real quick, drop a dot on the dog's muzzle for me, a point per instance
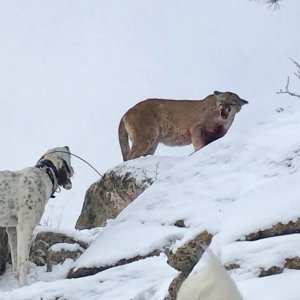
(68, 185)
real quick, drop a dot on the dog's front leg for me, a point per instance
(12, 240)
(24, 241)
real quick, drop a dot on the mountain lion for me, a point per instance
(177, 123)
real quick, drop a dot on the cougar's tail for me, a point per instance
(211, 283)
(123, 140)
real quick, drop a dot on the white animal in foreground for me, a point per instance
(23, 197)
(210, 283)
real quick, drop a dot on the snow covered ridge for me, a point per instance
(238, 180)
(236, 186)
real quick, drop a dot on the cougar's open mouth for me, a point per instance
(224, 112)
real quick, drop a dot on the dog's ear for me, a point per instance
(64, 175)
(69, 168)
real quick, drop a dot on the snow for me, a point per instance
(144, 239)
(262, 254)
(65, 247)
(145, 168)
(145, 279)
(235, 186)
(210, 190)
(85, 235)
(68, 73)
(277, 287)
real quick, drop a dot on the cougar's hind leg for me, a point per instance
(145, 144)
(138, 149)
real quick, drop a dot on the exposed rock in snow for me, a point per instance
(278, 229)
(43, 250)
(58, 253)
(185, 259)
(106, 198)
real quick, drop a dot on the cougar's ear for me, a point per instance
(217, 93)
(220, 95)
(243, 101)
(220, 98)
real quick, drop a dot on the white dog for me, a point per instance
(211, 283)
(23, 196)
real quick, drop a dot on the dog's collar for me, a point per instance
(49, 168)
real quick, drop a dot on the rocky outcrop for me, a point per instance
(40, 253)
(290, 263)
(185, 259)
(279, 229)
(58, 253)
(187, 256)
(81, 272)
(4, 253)
(276, 230)
(42, 250)
(106, 198)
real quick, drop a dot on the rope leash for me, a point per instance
(78, 158)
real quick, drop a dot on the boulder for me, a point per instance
(187, 256)
(82, 272)
(59, 252)
(290, 263)
(278, 229)
(185, 259)
(41, 255)
(106, 198)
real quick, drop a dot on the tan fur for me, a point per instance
(177, 123)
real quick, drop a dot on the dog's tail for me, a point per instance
(211, 283)
(123, 140)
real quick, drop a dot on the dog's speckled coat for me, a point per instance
(23, 196)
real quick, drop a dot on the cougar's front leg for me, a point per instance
(197, 137)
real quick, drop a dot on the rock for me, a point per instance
(232, 266)
(272, 271)
(58, 253)
(180, 224)
(4, 250)
(106, 198)
(39, 253)
(187, 256)
(290, 263)
(81, 272)
(174, 287)
(185, 259)
(278, 229)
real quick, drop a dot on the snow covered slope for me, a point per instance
(235, 186)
